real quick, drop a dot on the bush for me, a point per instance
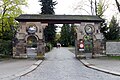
(48, 47)
(5, 47)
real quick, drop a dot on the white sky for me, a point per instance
(67, 7)
(63, 7)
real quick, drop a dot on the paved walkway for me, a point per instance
(61, 64)
(102, 64)
(16, 67)
(105, 65)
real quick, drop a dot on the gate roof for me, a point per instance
(58, 18)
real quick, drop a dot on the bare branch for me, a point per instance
(118, 5)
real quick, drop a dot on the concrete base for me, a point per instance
(80, 56)
(40, 56)
(20, 57)
(88, 55)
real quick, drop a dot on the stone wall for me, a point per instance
(113, 48)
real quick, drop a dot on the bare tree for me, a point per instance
(96, 7)
(85, 3)
(92, 9)
(118, 5)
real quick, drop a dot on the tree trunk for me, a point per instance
(118, 5)
(95, 7)
(91, 2)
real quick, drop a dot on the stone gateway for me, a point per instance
(30, 34)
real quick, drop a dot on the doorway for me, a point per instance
(31, 46)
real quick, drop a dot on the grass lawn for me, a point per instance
(114, 57)
(110, 57)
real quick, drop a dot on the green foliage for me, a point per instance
(49, 33)
(101, 8)
(72, 35)
(48, 47)
(48, 8)
(114, 57)
(112, 32)
(88, 43)
(12, 7)
(9, 10)
(104, 29)
(67, 35)
(57, 37)
(5, 47)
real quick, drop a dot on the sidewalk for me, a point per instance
(10, 69)
(104, 65)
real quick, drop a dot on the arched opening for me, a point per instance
(31, 46)
(31, 42)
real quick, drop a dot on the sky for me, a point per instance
(67, 7)
(63, 7)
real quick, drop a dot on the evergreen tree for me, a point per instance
(103, 29)
(48, 8)
(72, 35)
(113, 32)
(49, 33)
(65, 35)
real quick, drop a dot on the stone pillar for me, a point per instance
(40, 49)
(20, 50)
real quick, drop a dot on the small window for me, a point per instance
(97, 31)
(40, 31)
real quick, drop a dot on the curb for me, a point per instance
(20, 74)
(99, 69)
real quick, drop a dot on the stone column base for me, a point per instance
(40, 56)
(21, 56)
(88, 55)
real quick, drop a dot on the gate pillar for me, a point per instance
(40, 49)
(19, 50)
(35, 31)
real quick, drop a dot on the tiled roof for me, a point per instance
(47, 18)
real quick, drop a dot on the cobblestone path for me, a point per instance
(60, 64)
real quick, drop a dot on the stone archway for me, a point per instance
(32, 41)
(34, 24)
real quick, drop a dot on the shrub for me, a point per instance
(48, 47)
(5, 47)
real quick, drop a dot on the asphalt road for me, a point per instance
(60, 64)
